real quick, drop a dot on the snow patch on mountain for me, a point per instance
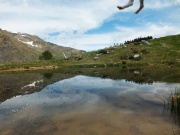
(29, 43)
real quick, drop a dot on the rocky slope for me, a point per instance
(22, 47)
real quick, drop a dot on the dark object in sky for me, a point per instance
(130, 3)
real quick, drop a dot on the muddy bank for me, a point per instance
(27, 68)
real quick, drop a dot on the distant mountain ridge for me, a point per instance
(22, 47)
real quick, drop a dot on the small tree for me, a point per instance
(46, 55)
(103, 51)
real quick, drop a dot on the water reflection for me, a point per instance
(26, 83)
(89, 105)
(48, 75)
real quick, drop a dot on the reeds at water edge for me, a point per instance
(174, 106)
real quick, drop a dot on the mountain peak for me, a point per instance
(23, 47)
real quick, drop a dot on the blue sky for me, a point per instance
(89, 24)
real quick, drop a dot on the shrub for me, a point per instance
(46, 55)
(103, 51)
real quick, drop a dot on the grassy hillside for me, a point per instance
(165, 50)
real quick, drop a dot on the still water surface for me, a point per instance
(84, 105)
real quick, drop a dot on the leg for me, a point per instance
(140, 7)
(130, 3)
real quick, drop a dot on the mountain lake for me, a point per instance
(90, 103)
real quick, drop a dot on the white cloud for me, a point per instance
(98, 41)
(82, 41)
(41, 17)
(160, 3)
(34, 16)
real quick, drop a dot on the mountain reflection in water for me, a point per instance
(90, 105)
